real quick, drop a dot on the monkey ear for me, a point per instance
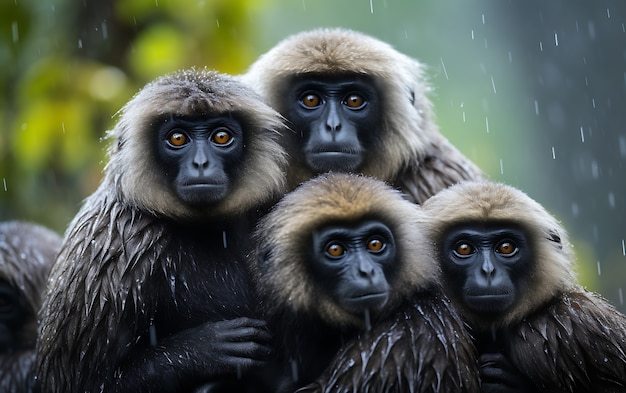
(553, 236)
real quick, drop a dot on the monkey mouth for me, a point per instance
(202, 193)
(334, 160)
(374, 301)
(489, 303)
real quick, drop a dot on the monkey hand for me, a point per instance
(499, 375)
(233, 345)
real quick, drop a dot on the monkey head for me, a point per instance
(189, 139)
(502, 254)
(341, 244)
(352, 101)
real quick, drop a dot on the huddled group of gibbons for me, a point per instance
(301, 227)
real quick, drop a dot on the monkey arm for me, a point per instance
(444, 166)
(424, 347)
(577, 343)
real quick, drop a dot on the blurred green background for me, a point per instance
(533, 91)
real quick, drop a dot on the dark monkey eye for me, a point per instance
(375, 245)
(221, 138)
(177, 139)
(310, 100)
(335, 250)
(463, 249)
(354, 101)
(506, 248)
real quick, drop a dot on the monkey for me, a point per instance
(355, 104)
(341, 258)
(150, 291)
(27, 251)
(508, 268)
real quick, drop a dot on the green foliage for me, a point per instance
(66, 69)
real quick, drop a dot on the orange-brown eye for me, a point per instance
(354, 101)
(221, 138)
(310, 100)
(335, 250)
(375, 245)
(177, 139)
(506, 248)
(464, 249)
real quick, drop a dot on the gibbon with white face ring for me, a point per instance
(508, 268)
(150, 291)
(357, 105)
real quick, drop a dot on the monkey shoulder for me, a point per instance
(427, 174)
(577, 342)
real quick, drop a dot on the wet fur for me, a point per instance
(135, 256)
(311, 328)
(27, 252)
(561, 336)
(411, 153)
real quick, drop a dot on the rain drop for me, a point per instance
(622, 146)
(153, 335)
(15, 34)
(553, 153)
(621, 296)
(105, 32)
(623, 248)
(599, 271)
(556, 40)
(371, 7)
(294, 370)
(510, 57)
(224, 239)
(608, 13)
(472, 34)
(80, 44)
(217, 23)
(582, 136)
(611, 200)
(537, 107)
(501, 167)
(540, 46)
(487, 124)
(595, 170)
(483, 16)
(4, 183)
(445, 72)
(493, 85)
(368, 320)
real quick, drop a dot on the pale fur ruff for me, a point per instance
(407, 112)
(195, 93)
(480, 202)
(284, 238)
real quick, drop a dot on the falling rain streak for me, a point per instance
(445, 72)
(4, 182)
(501, 167)
(582, 136)
(493, 84)
(556, 40)
(371, 7)
(621, 296)
(623, 245)
(487, 124)
(599, 271)
(553, 154)
(224, 239)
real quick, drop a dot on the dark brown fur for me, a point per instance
(27, 252)
(136, 259)
(411, 154)
(417, 342)
(564, 338)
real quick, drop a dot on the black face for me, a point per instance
(337, 118)
(486, 266)
(201, 157)
(11, 315)
(353, 264)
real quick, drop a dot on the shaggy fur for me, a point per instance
(138, 264)
(411, 154)
(562, 337)
(27, 252)
(306, 319)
